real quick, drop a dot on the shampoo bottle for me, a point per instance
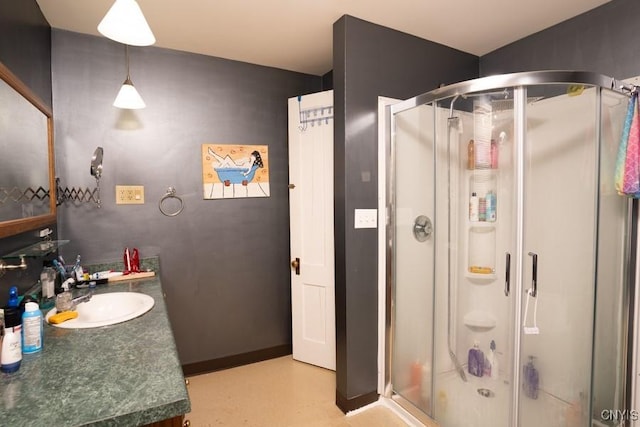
(471, 155)
(11, 356)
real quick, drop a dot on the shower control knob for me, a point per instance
(422, 228)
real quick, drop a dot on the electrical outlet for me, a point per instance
(129, 194)
(366, 218)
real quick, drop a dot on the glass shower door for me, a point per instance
(559, 253)
(413, 256)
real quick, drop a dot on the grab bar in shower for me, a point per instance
(507, 278)
(534, 275)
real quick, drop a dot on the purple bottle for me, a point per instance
(475, 362)
(531, 380)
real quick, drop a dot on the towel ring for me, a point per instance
(170, 194)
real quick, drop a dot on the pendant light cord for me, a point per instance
(126, 53)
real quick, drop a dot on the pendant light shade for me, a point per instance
(128, 97)
(126, 24)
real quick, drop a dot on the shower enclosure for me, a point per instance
(509, 252)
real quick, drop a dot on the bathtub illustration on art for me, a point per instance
(236, 175)
(231, 171)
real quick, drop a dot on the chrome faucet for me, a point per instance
(82, 298)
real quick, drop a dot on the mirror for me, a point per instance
(96, 163)
(27, 175)
(96, 171)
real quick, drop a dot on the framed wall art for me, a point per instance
(232, 171)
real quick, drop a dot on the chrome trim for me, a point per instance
(390, 238)
(517, 82)
(519, 99)
(510, 80)
(411, 409)
(631, 305)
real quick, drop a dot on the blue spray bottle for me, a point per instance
(13, 297)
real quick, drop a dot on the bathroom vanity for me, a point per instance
(127, 374)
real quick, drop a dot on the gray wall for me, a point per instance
(224, 263)
(370, 61)
(25, 45)
(25, 48)
(604, 40)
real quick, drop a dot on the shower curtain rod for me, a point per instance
(511, 80)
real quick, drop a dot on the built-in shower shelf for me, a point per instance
(479, 320)
(481, 278)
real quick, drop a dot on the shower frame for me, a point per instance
(515, 81)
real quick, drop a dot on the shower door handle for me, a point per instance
(534, 275)
(507, 277)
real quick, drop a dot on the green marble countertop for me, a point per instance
(121, 375)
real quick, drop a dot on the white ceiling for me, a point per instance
(297, 34)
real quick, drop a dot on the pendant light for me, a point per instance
(128, 97)
(126, 24)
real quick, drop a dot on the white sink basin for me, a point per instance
(107, 309)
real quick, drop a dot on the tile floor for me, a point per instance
(276, 393)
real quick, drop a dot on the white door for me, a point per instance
(312, 243)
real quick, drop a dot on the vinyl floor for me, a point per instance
(279, 392)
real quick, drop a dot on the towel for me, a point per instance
(631, 166)
(627, 174)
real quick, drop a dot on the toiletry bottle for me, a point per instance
(493, 361)
(471, 156)
(474, 206)
(12, 341)
(531, 380)
(416, 374)
(135, 261)
(494, 154)
(475, 362)
(126, 257)
(13, 297)
(491, 206)
(482, 209)
(487, 366)
(48, 279)
(32, 326)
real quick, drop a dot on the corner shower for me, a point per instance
(513, 309)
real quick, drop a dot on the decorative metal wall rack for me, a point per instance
(73, 194)
(314, 115)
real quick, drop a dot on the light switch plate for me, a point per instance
(129, 194)
(366, 218)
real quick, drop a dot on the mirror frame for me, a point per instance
(17, 226)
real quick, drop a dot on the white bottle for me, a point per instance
(11, 343)
(474, 206)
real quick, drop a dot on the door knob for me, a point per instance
(295, 264)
